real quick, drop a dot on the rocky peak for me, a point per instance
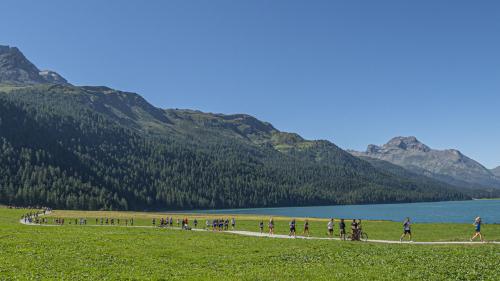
(16, 69)
(450, 165)
(407, 143)
(372, 148)
(52, 77)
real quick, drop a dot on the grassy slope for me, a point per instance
(108, 253)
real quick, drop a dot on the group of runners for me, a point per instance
(169, 222)
(112, 221)
(35, 216)
(356, 229)
(222, 224)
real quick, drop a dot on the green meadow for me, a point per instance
(74, 252)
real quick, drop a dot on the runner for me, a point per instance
(233, 223)
(154, 221)
(406, 230)
(271, 227)
(292, 228)
(261, 226)
(195, 221)
(477, 224)
(207, 224)
(306, 228)
(330, 228)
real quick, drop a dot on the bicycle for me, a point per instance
(362, 236)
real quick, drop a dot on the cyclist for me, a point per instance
(354, 230)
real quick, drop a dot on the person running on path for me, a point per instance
(271, 226)
(477, 225)
(154, 222)
(306, 228)
(261, 226)
(406, 230)
(330, 228)
(233, 223)
(195, 222)
(292, 228)
(207, 224)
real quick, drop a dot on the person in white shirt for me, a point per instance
(330, 228)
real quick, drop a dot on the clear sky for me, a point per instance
(352, 72)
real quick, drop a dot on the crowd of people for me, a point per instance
(113, 221)
(223, 224)
(34, 216)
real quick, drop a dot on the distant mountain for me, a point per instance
(496, 171)
(98, 148)
(449, 166)
(16, 69)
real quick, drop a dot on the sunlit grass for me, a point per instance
(124, 253)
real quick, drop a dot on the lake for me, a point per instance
(452, 211)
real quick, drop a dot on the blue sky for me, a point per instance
(352, 72)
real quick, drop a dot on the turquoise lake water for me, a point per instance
(453, 211)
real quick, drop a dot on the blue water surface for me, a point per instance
(452, 211)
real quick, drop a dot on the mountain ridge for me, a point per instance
(16, 69)
(450, 165)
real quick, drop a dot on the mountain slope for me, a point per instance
(79, 147)
(496, 172)
(449, 166)
(16, 69)
(98, 148)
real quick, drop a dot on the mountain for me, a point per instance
(449, 166)
(93, 147)
(16, 69)
(496, 171)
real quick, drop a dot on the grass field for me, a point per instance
(125, 253)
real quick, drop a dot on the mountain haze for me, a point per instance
(496, 171)
(93, 147)
(449, 166)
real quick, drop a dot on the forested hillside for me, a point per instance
(96, 148)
